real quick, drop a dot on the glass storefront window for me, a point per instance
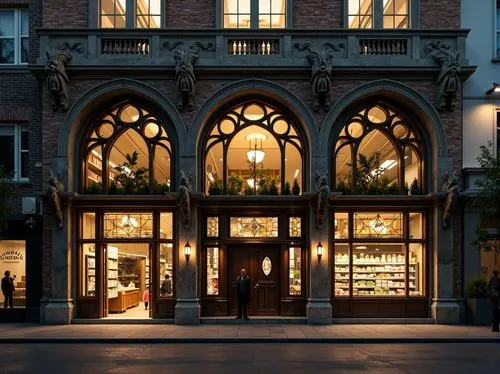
(166, 225)
(88, 226)
(88, 270)
(378, 269)
(295, 229)
(212, 227)
(342, 263)
(13, 260)
(254, 227)
(416, 226)
(128, 225)
(166, 270)
(294, 271)
(378, 225)
(341, 226)
(416, 270)
(212, 271)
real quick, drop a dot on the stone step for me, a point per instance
(253, 320)
(382, 321)
(122, 321)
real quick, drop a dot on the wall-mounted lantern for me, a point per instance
(187, 251)
(319, 251)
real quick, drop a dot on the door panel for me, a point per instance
(265, 288)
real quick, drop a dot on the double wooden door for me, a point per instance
(262, 263)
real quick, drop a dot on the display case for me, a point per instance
(112, 272)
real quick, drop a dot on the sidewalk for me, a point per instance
(26, 333)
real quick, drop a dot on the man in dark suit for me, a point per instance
(243, 290)
(8, 290)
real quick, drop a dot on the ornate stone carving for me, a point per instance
(448, 80)
(58, 79)
(322, 191)
(75, 47)
(321, 79)
(55, 190)
(184, 71)
(185, 197)
(450, 186)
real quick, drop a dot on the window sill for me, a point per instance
(14, 68)
(495, 60)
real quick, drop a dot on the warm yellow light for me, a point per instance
(319, 250)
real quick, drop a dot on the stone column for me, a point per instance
(319, 307)
(446, 309)
(59, 305)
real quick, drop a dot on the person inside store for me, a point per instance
(166, 286)
(8, 290)
(494, 287)
(145, 298)
(243, 289)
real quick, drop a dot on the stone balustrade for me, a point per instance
(124, 46)
(393, 47)
(263, 47)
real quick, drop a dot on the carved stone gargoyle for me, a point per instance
(322, 191)
(448, 80)
(321, 79)
(450, 186)
(185, 197)
(58, 79)
(184, 72)
(55, 190)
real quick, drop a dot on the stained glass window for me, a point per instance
(254, 227)
(378, 225)
(295, 229)
(212, 227)
(124, 225)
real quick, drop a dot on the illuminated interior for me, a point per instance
(238, 13)
(395, 14)
(390, 148)
(263, 153)
(113, 13)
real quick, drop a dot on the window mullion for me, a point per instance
(254, 14)
(17, 37)
(17, 152)
(130, 14)
(378, 12)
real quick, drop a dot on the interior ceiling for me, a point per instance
(139, 249)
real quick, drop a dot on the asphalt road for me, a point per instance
(251, 358)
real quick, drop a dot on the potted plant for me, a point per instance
(216, 187)
(478, 301)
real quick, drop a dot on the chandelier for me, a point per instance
(378, 225)
(255, 153)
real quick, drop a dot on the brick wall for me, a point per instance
(440, 14)
(317, 14)
(183, 14)
(68, 14)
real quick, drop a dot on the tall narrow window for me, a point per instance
(497, 30)
(294, 271)
(213, 271)
(236, 14)
(113, 13)
(498, 132)
(360, 14)
(264, 14)
(14, 158)
(14, 36)
(396, 14)
(148, 14)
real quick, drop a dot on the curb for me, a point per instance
(257, 340)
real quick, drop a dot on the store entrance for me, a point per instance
(127, 287)
(262, 263)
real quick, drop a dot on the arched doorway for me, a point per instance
(126, 239)
(254, 169)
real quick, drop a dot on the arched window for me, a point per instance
(128, 152)
(253, 150)
(377, 153)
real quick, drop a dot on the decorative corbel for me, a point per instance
(184, 71)
(448, 80)
(55, 190)
(185, 197)
(321, 79)
(450, 187)
(322, 191)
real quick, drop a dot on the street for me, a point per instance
(250, 358)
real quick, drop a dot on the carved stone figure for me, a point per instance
(322, 191)
(184, 70)
(448, 80)
(55, 190)
(58, 79)
(185, 197)
(321, 79)
(450, 186)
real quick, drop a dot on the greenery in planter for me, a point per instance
(93, 188)
(216, 187)
(7, 192)
(160, 188)
(487, 202)
(273, 187)
(477, 288)
(415, 188)
(248, 191)
(288, 189)
(235, 184)
(131, 179)
(295, 188)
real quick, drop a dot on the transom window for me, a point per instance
(144, 14)
(254, 14)
(128, 152)
(253, 149)
(378, 153)
(387, 14)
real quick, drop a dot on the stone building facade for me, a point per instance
(320, 86)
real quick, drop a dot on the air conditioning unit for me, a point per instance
(30, 205)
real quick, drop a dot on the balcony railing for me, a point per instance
(269, 49)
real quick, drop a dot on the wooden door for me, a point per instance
(262, 263)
